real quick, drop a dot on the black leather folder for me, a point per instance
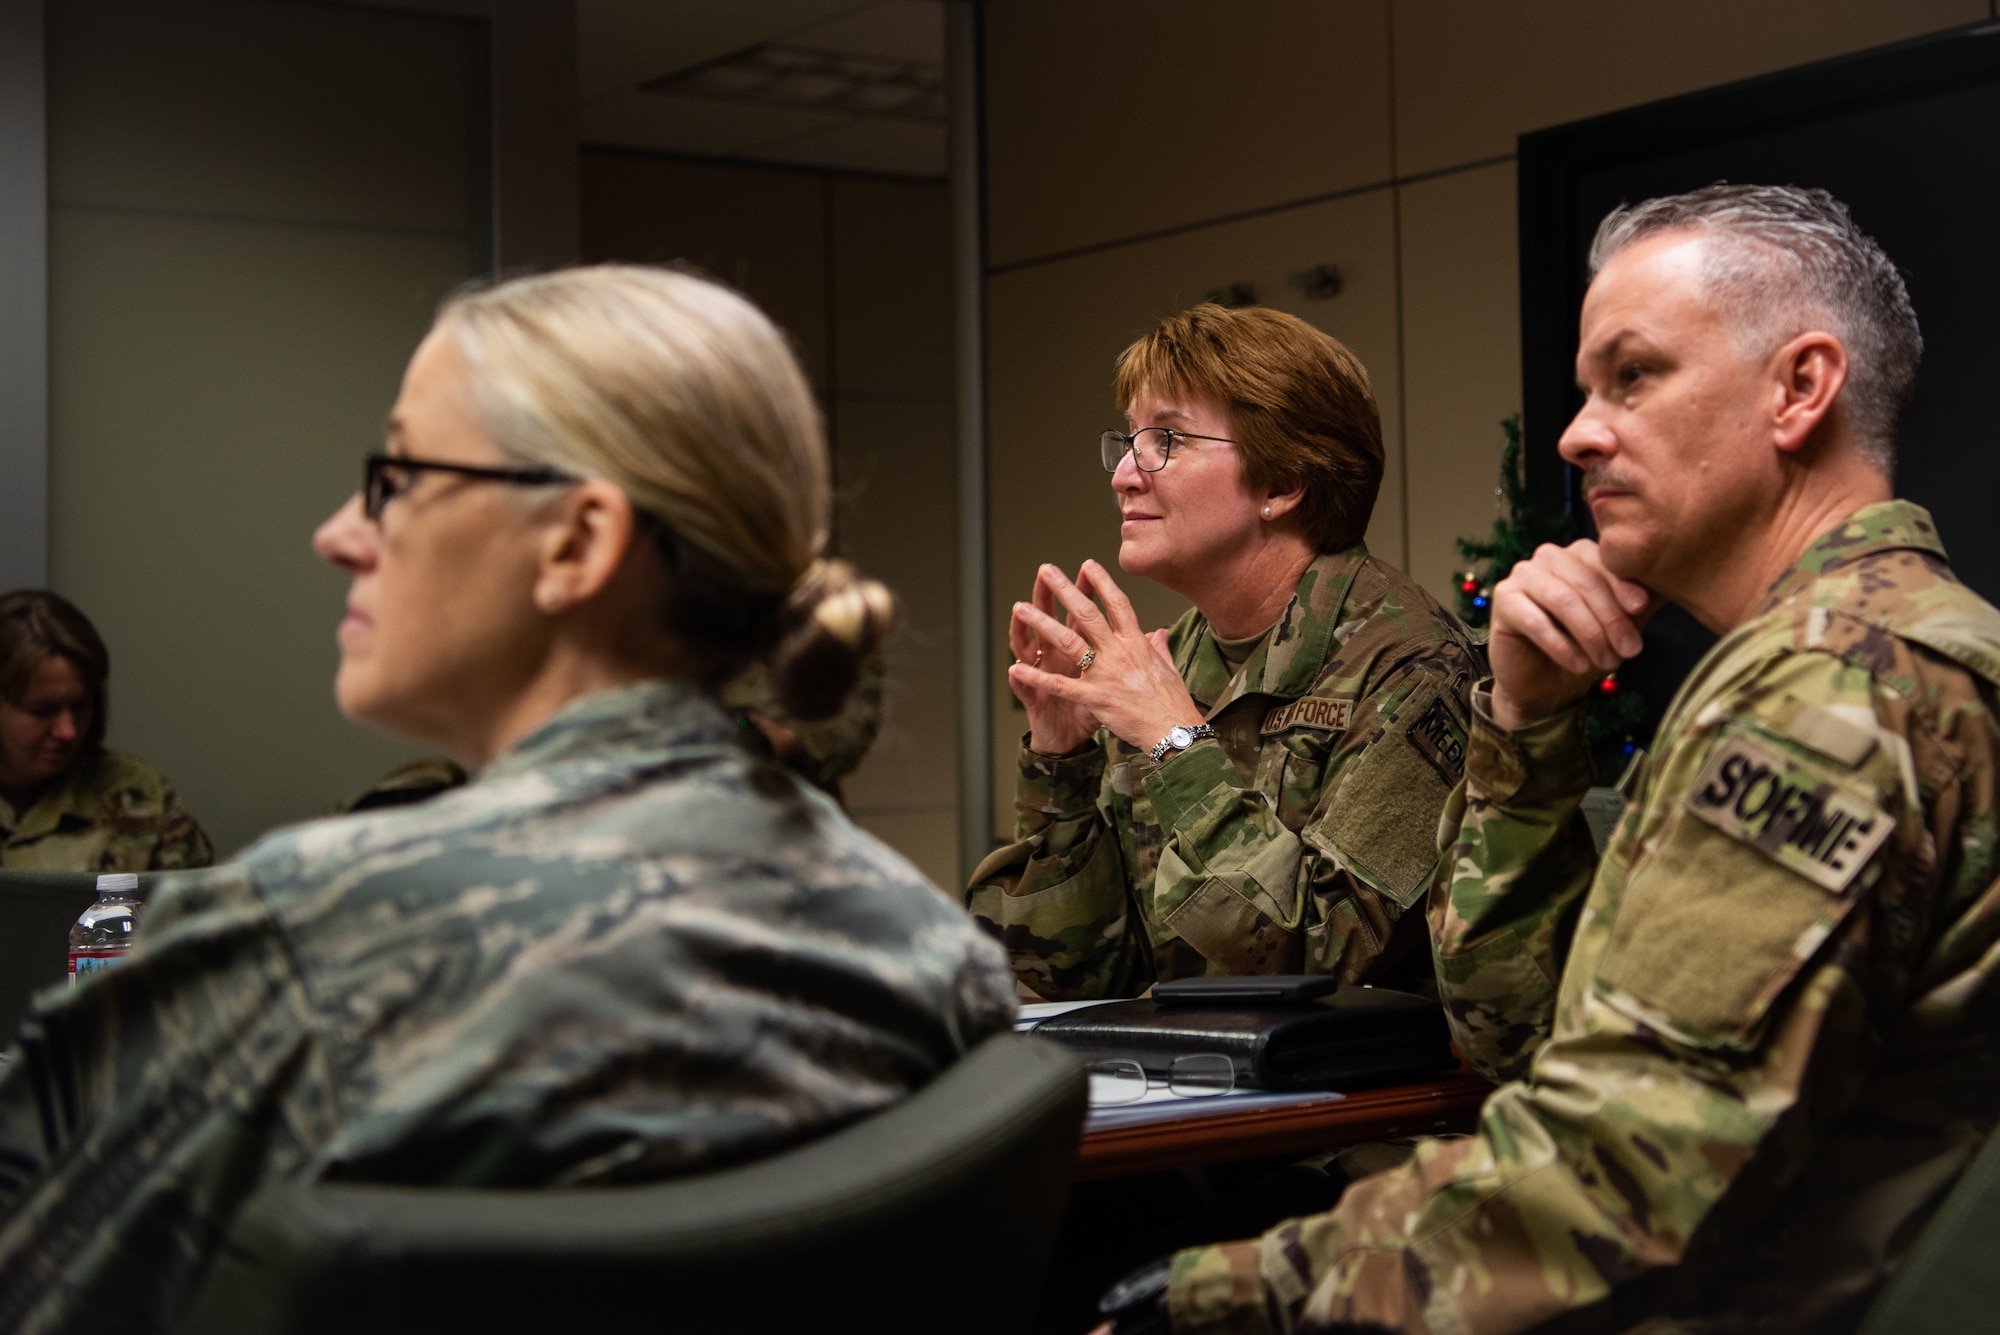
(1359, 1036)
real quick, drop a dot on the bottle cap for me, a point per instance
(117, 880)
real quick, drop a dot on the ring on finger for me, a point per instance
(1083, 664)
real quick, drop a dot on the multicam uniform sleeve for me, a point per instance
(1718, 1012)
(182, 844)
(1501, 920)
(1058, 898)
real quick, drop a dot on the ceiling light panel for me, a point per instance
(842, 83)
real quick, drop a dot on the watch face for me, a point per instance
(1182, 737)
(1143, 1285)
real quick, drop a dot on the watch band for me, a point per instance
(1137, 1304)
(1180, 738)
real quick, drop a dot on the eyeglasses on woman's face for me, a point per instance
(387, 476)
(1151, 446)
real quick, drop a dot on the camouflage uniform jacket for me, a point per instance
(107, 812)
(1291, 843)
(626, 951)
(1755, 1044)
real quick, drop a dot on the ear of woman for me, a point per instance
(1278, 504)
(590, 540)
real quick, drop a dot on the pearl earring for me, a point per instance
(1267, 512)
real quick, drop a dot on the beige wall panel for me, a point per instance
(929, 839)
(213, 388)
(763, 232)
(1054, 332)
(897, 524)
(1461, 358)
(135, 83)
(859, 272)
(896, 461)
(1471, 74)
(1115, 118)
(892, 290)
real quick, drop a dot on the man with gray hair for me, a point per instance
(1749, 1048)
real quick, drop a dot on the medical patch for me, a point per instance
(1321, 712)
(1790, 812)
(1440, 740)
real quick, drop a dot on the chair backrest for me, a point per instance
(1947, 1281)
(37, 909)
(938, 1214)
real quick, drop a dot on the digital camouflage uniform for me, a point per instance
(1291, 843)
(627, 950)
(108, 812)
(1769, 1013)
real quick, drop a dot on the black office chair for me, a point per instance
(37, 909)
(938, 1214)
(1947, 1282)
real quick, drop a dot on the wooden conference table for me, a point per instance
(1446, 1104)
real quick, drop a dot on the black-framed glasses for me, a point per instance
(387, 476)
(1151, 446)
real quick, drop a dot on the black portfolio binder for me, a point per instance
(1359, 1036)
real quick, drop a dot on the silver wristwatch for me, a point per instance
(1180, 739)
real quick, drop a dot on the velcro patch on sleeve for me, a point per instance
(1326, 713)
(1821, 729)
(1796, 815)
(1440, 739)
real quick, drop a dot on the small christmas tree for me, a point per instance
(1614, 713)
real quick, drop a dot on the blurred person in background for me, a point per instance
(67, 803)
(628, 948)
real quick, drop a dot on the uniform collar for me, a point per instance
(649, 717)
(1289, 660)
(1882, 527)
(45, 815)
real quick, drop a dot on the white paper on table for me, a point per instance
(1161, 1105)
(1033, 1013)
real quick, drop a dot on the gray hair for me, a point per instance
(1782, 260)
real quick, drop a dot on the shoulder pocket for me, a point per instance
(1760, 859)
(1382, 823)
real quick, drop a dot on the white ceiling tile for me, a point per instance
(623, 43)
(903, 29)
(671, 124)
(626, 43)
(897, 147)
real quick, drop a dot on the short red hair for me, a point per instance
(1300, 409)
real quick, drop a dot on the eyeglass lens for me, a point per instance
(375, 489)
(1150, 445)
(1198, 1075)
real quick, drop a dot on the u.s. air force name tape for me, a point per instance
(1792, 813)
(1326, 714)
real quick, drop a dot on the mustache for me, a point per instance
(1606, 475)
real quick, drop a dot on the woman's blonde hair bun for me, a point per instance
(833, 622)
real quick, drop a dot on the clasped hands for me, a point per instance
(1561, 621)
(1130, 684)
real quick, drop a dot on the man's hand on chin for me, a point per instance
(1561, 621)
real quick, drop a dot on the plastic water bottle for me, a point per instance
(103, 935)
